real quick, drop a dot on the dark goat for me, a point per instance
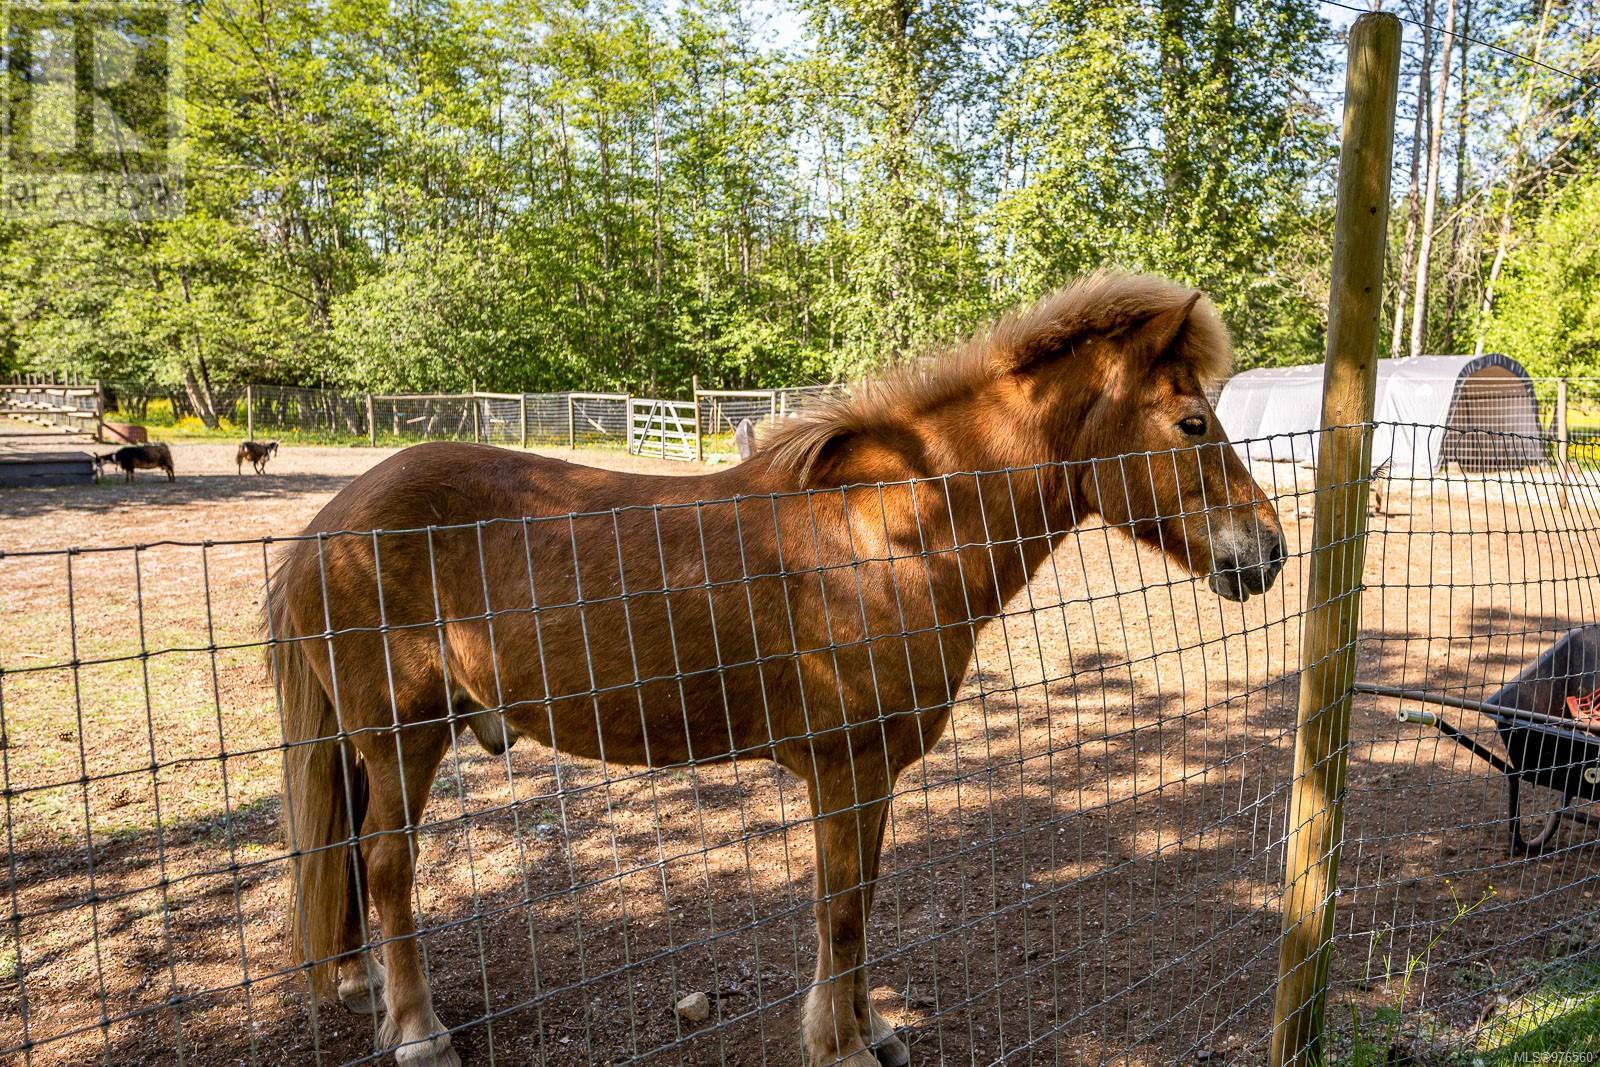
(139, 457)
(257, 453)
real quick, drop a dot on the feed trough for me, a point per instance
(1547, 719)
(28, 469)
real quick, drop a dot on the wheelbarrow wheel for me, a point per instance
(1531, 834)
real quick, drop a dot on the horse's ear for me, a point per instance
(1156, 336)
(811, 448)
(827, 456)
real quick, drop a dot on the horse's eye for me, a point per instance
(1194, 425)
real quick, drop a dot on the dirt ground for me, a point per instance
(1085, 870)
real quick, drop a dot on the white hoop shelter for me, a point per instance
(1479, 412)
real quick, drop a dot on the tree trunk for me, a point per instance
(198, 386)
(200, 398)
(1413, 203)
(1430, 198)
(1453, 278)
(1513, 183)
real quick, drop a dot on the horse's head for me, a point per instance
(1119, 378)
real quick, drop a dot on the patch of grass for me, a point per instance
(1386, 1035)
(1556, 1021)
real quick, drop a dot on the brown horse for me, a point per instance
(817, 606)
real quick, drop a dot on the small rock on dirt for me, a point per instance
(694, 1008)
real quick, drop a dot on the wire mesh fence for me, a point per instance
(427, 418)
(1086, 867)
(276, 408)
(1468, 913)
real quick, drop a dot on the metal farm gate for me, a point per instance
(664, 428)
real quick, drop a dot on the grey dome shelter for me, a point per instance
(1478, 412)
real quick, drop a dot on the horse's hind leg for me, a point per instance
(360, 974)
(361, 979)
(400, 769)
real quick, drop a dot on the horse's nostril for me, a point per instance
(1276, 553)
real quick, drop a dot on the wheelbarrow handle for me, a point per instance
(1499, 711)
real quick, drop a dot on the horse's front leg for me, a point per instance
(875, 1029)
(849, 811)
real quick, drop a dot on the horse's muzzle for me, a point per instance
(1250, 568)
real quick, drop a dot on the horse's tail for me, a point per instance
(315, 792)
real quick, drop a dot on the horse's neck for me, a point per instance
(1004, 526)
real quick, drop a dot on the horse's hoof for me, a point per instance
(860, 1058)
(367, 1000)
(891, 1051)
(433, 1052)
(362, 992)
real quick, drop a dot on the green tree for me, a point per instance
(1547, 315)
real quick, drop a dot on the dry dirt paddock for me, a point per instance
(1084, 870)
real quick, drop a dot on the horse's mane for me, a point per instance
(1101, 304)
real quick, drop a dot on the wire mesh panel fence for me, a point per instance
(511, 419)
(1082, 847)
(1083, 867)
(426, 417)
(597, 417)
(721, 411)
(1468, 913)
(275, 408)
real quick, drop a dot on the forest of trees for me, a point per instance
(441, 194)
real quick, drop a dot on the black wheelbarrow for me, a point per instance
(1545, 746)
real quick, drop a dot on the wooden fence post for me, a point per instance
(522, 417)
(1562, 433)
(477, 421)
(1563, 439)
(372, 422)
(572, 423)
(1333, 588)
(699, 439)
(250, 413)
